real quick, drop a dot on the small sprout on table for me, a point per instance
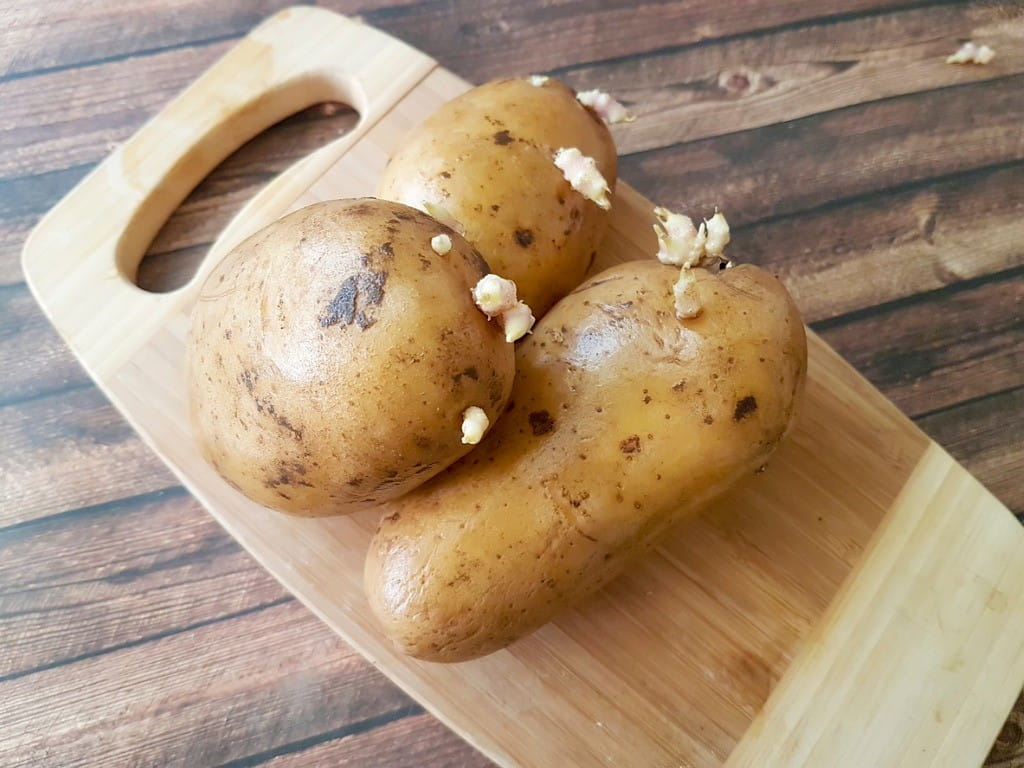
(971, 53)
(474, 424)
(581, 172)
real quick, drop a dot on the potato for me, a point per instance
(487, 159)
(623, 420)
(334, 354)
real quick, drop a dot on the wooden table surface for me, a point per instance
(885, 187)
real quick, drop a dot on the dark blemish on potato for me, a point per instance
(422, 441)
(630, 445)
(709, 419)
(354, 301)
(248, 378)
(744, 408)
(495, 207)
(227, 334)
(265, 406)
(286, 475)
(647, 399)
(445, 175)
(503, 138)
(524, 237)
(362, 208)
(393, 518)
(541, 422)
(387, 250)
(471, 372)
(679, 386)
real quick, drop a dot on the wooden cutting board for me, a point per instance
(859, 604)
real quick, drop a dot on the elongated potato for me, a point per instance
(337, 358)
(487, 159)
(623, 420)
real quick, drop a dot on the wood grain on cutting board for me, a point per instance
(153, 366)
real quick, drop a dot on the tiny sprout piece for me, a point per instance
(680, 243)
(441, 244)
(538, 80)
(582, 173)
(518, 321)
(442, 215)
(687, 298)
(718, 235)
(608, 109)
(474, 424)
(494, 295)
(971, 53)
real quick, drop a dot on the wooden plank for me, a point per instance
(879, 146)
(844, 258)
(101, 106)
(71, 451)
(494, 39)
(220, 692)
(986, 436)
(418, 740)
(56, 38)
(34, 361)
(56, 35)
(142, 569)
(691, 93)
(976, 349)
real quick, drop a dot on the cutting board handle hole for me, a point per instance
(179, 247)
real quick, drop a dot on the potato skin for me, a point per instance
(487, 157)
(332, 355)
(623, 420)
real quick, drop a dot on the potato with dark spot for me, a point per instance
(333, 354)
(487, 159)
(623, 420)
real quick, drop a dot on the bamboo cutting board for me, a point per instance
(859, 604)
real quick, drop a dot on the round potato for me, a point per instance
(487, 159)
(624, 418)
(334, 354)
